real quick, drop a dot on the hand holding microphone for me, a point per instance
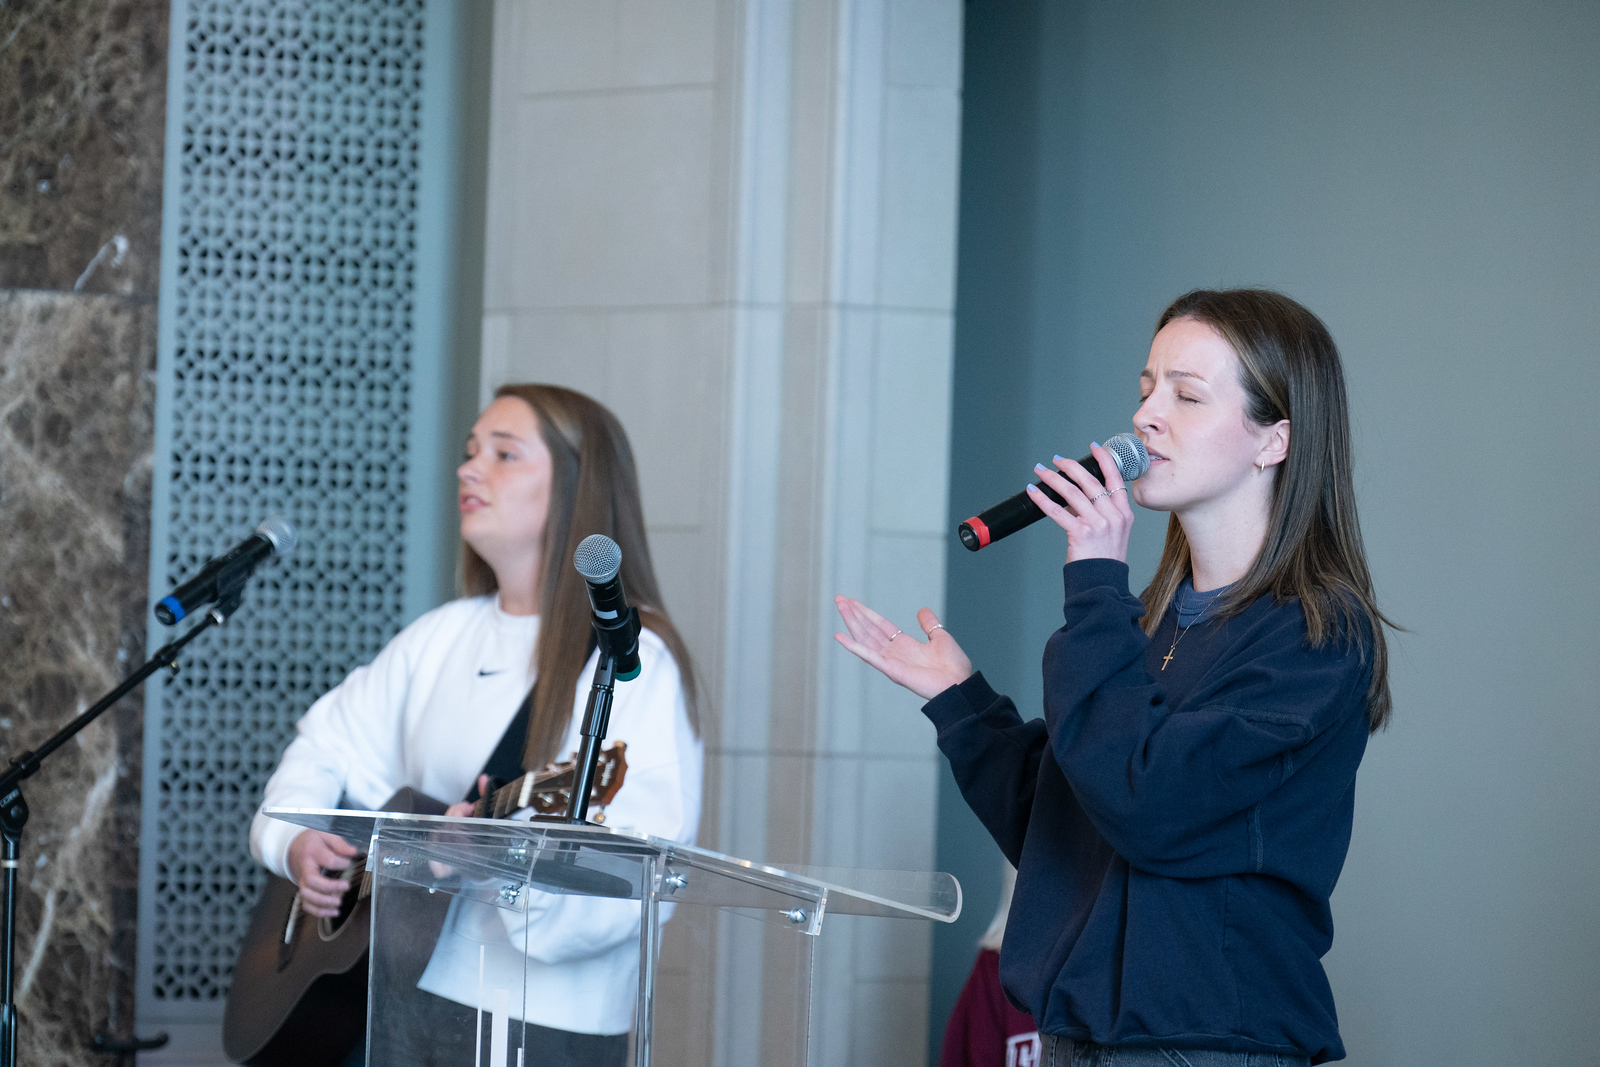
(1096, 516)
(1123, 454)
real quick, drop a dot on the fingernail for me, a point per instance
(1060, 458)
(1040, 467)
(1094, 444)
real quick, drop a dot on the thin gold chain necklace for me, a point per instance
(1178, 637)
(1179, 632)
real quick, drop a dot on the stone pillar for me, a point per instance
(864, 459)
(82, 105)
(733, 221)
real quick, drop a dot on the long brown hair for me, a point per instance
(1290, 369)
(594, 489)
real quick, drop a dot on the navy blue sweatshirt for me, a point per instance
(1176, 832)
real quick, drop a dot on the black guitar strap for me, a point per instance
(505, 762)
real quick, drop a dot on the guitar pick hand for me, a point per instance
(312, 857)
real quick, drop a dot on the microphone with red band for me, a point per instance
(1009, 516)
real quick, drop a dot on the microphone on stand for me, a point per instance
(227, 573)
(616, 625)
(1009, 516)
(616, 628)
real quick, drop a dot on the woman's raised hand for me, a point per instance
(1097, 518)
(927, 668)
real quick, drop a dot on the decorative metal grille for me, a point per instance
(289, 362)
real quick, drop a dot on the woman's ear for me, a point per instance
(1274, 445)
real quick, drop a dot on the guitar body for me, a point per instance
(302, 1001)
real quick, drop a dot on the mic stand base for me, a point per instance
(125, 1050)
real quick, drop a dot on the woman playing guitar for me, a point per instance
(497, 682)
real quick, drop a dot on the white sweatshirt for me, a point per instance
(426, 713)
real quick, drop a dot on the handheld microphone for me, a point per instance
(227, 573)
(616, 625)
(1009, 516)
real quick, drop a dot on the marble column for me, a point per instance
(76, 403)
(82, 126)
(82, 115)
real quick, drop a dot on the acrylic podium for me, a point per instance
(488, 883)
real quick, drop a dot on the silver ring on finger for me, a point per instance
(936, 626)
(896, 634)
(1102, 496)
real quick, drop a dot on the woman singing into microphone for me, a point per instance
(1180, 815)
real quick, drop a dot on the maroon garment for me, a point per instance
(985, 1029)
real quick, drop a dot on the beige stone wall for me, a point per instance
(734, 223)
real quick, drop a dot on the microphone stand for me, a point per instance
(596, 720)
(597, 716)
(14, 809)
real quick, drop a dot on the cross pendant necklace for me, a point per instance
(1178, 637)
(1168, 656)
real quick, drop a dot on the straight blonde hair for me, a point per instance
(594, 489)
(1290, 369)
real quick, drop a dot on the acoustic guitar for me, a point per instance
(299, 994)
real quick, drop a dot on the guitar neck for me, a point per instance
(547, 791)
(513, 797)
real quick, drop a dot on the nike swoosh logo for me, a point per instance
(484, 674)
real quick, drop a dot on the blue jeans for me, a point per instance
(1064, 1052)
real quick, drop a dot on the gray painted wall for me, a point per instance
(1426, 177)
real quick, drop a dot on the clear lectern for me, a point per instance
(739, 947)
